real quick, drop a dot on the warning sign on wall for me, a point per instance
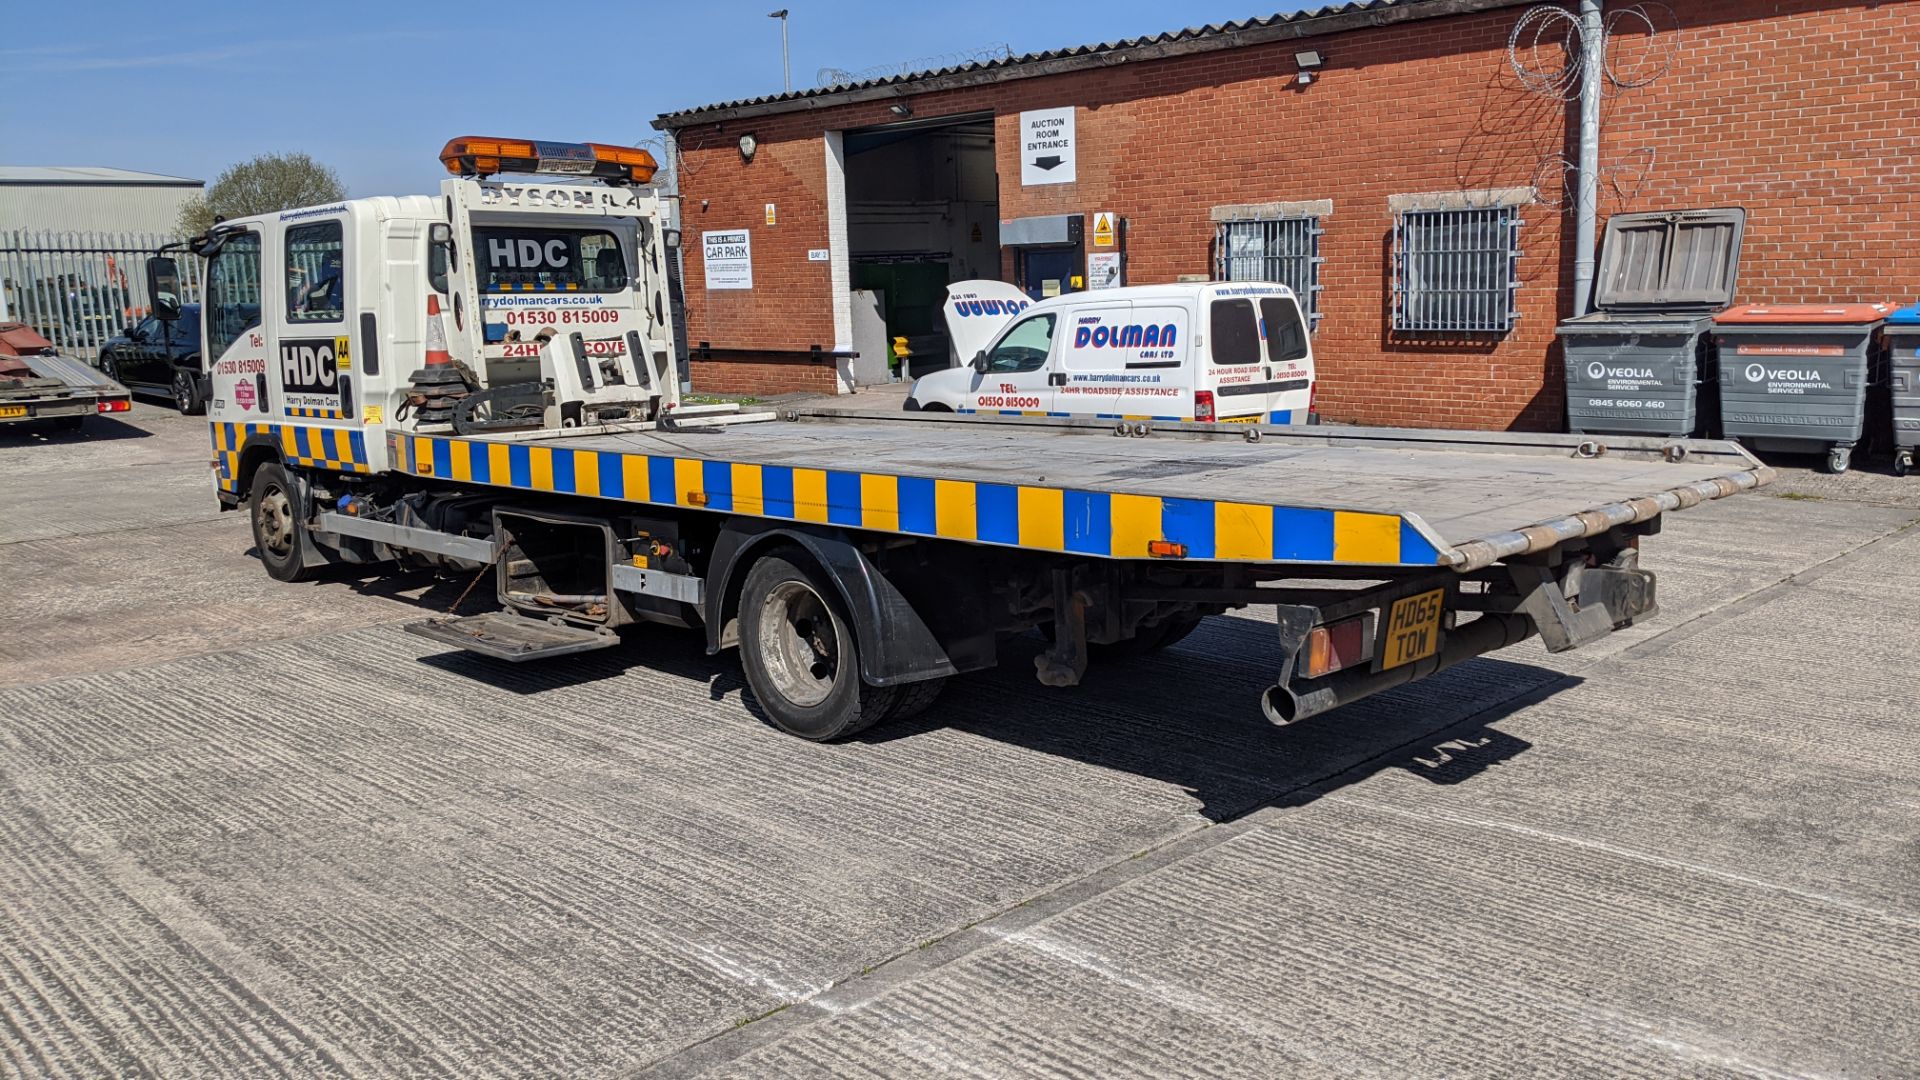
(1104, 235)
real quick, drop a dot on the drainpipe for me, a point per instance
(1587, 201)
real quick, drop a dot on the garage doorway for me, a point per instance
(922, 211)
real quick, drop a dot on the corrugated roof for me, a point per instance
(1356, 12)
(87, 174)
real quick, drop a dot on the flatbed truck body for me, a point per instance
(857, 560)
(37, 383)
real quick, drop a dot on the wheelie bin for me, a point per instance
(1903, 364)
(1795, 377)
(1636, 364)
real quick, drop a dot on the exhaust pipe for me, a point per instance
(1291, 704)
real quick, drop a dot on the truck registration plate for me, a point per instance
(1413, 628)
(8, 412)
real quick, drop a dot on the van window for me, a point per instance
(1024, 348)
(1234, 333)
(1286, 333)
(549, 260)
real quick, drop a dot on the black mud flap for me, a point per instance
(506, 636)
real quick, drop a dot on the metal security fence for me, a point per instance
(80, 288)
(1285, 250)
(1456, 270)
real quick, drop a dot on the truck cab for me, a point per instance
(1229, 352)
(539, 302)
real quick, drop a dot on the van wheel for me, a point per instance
(799, 653)
(279, 528)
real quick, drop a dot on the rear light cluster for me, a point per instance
(1203, 405)
(113, 405)
(1337, 646)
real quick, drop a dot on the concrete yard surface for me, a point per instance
(253, 829)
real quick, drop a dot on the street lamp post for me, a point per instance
(786, 69)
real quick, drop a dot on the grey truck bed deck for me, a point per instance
(1317, 495)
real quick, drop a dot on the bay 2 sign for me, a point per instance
(728, 258)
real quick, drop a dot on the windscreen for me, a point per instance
(549, 260)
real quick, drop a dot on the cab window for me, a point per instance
(1234, 332)
(231, 306)
(1024, 348)
(1286, 331)
(550, 260)
(316, 284)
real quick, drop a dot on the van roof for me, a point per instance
(1180, 290)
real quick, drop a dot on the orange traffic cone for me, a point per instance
(437, 354)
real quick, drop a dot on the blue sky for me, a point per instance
(376, 89)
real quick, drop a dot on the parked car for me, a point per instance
(1135, 353)
(161, 358)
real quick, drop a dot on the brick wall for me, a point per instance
(1801, 110)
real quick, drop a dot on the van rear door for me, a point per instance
(1259, 362)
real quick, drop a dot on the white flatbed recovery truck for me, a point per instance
(857, 561)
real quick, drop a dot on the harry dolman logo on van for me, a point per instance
(1123, 337)
(967, 308)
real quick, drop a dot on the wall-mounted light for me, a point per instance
(748, 145)
(900, 109)
(1308, 60)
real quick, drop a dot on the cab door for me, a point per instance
(1022, 372)
(236, 357)
(314, 359)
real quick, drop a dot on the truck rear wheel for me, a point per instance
(800, 655)
(279, 524)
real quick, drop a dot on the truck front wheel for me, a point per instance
(800, 654)
(279, 524)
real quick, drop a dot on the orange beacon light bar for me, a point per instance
(473, 155)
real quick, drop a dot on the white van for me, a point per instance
(1227, 351)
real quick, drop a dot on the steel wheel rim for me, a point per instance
(275, 515)
(799, 643)
(182, 395)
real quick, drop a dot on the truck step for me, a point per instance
(506, 636)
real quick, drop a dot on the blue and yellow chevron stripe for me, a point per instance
(338, 449)
(315, 414)
(1106, 524)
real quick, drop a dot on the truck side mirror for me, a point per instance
(980, 361)
(440, 235)
(163, 288)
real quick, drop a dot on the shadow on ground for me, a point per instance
(95, 429)
(1188, 717)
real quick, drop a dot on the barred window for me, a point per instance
(1456, 270)
(1285, 251)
